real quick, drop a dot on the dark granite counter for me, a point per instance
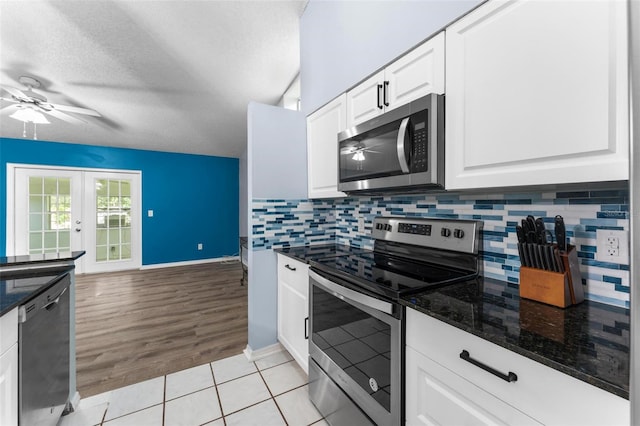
(589, 341)
(24, 277)
(307, 254)
(33, 259)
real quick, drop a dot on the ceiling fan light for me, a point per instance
(358, 156)
(28, 115)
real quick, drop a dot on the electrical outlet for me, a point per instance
(199, 246)
(612, 246)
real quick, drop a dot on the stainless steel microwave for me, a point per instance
(401, 150)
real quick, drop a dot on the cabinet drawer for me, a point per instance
(541, 392)
(8, 330)
(437, 396)
(294, 273)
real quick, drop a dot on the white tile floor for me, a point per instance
(232, 391)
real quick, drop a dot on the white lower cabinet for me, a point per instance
(9, 369)
(293, 308)
(437, 396)
(442, 388)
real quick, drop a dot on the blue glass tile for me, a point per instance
(582, 194)
(482, 207)
(591, 249)
(612, 215)
(614, 280)
(519, 201)
(525, 213)
(596, 200)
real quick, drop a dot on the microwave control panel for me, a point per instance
(419, 157)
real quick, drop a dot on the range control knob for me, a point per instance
(458, 233)
(387, 227)
(445, 232)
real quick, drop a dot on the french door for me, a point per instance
(58, 210)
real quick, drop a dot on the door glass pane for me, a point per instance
(113, 212)
(49, 214)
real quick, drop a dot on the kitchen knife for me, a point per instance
(558, 258)
(531, 224)
(561, 233)
(541, 231)
(533, 255)
(548, 252)
(524, 257)
(520, 234)
(543, 260)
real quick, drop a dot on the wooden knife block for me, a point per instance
(554, 288)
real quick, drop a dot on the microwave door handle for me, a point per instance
(402, 158)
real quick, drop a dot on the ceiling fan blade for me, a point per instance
(64, 117)
(7, 99)
(8, 109)
(77, 110)
(14, 92)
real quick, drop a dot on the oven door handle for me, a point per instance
(402, 155)
(343, 293)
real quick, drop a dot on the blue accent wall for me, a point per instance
(194, 197)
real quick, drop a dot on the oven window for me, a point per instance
(357, 342)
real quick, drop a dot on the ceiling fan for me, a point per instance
(25, 100)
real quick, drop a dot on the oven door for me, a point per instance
(356, 340)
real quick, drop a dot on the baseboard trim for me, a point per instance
(72, 404)
(262, 352)
(190, 262)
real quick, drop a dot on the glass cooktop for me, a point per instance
(389, 275)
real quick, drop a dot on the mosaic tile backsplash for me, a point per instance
(279, 223)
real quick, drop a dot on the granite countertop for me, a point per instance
(589, 341)
(33, 259)
(307, 254)
(24, 277)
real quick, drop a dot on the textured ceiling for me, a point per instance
(165, 75)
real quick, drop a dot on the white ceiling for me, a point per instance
(165, 75)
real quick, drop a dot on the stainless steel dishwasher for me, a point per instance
(43, 350)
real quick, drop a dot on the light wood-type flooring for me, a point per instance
(136, 325)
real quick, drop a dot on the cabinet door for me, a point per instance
(537, 93)
(323, 127)
(417, 73)
(366, 100)
(9, 387)
(293, 308)
(437, 396)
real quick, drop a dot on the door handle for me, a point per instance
(385, 101)
(402, 156)
(289, 267)
(509, 377)
(78, 229)
(306, 328)
(379, 103)
(55, 301)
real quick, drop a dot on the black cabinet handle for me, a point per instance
(289, 267)
(511, 377)
(306, 328)
(379, 90)
(385, 101)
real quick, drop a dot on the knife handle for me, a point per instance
(561, 233)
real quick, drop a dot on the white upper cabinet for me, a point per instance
(537, 93)
(323, 127)
(416, 74)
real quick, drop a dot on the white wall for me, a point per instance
(242, 210)
(342, 42)
(277, 169)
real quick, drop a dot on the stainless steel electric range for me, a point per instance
(356, 345)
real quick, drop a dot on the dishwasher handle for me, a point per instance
(55, 301)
